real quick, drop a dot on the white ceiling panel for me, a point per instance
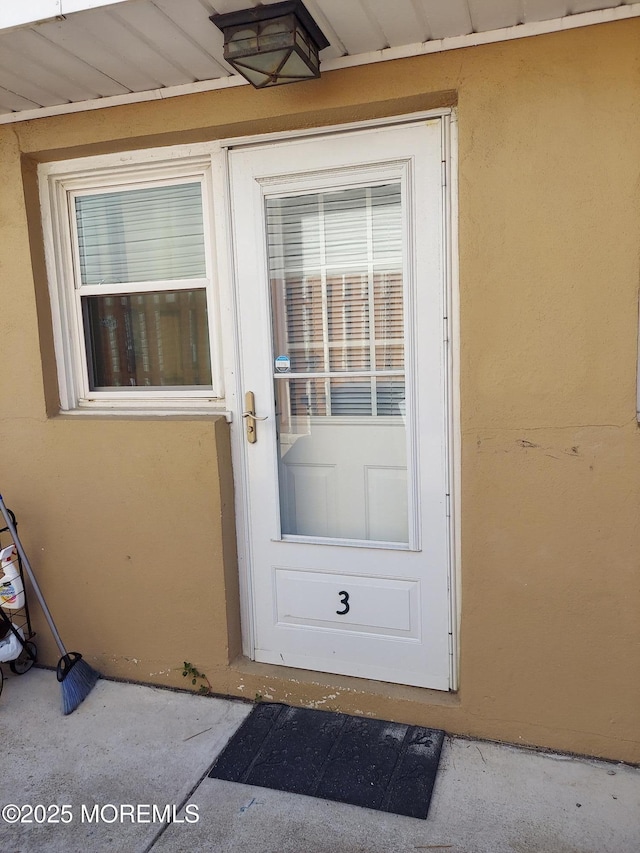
(31, 43)
(84, 42)
(26, 88)
(224, 6)
(544, 10)
(10, 102)
(447, 19)
(106, 28)
(190, 19)
(176, 48)
(407, 28)
(336, 47)
(357, 31)
(494, 14)
(38, 72)
(110, 51)
(577, 6)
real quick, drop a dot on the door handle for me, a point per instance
(250, 417)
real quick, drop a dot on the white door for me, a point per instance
(341, 303)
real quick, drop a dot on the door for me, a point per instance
(341, 299)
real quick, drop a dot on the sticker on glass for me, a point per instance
(283, 364)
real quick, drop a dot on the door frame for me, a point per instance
(222, 200)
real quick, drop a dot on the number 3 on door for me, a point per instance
(344, 599)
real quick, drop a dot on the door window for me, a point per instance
(336, 278)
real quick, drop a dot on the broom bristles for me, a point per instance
(77, 679)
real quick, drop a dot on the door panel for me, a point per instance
(341, 292)
(331, 476)
(383, 605)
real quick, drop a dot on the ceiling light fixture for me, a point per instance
(273, 44)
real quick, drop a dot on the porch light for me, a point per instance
(273, 44)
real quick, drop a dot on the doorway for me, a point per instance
(341, 290)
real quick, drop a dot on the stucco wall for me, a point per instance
(130, 521)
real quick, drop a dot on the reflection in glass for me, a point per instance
(149, 339)
(336, 272)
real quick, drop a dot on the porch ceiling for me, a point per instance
(61, 56)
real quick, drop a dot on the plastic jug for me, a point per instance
(11, 646)
(11, 586)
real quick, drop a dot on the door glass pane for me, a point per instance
(336, 275)
(152, 340)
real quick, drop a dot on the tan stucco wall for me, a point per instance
(130, 521)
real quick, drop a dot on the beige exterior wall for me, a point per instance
(129, 521)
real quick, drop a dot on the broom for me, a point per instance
(75, 675)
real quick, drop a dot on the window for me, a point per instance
(130, 266)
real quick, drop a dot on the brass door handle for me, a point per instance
(250, 417)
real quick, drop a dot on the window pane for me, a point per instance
(305, 396)
(351, 397)
(150, 234)
(303, 312)
(344, 227)
(148, 339)
(335, 262)
(337, 294)
(348, 306)
(391, 396)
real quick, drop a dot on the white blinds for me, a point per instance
(150, 234)
(335, 263)
(336, 228)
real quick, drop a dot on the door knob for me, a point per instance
(250, 417)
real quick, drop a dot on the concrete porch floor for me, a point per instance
(129, 748)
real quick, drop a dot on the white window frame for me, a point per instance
(59, 184)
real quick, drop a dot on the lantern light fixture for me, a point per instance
(272, 44)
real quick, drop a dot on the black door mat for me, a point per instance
(386, 766)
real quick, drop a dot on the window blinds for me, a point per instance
(335, 264)
(150, 234)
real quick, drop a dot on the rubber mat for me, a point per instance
(379, 765)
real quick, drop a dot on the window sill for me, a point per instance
(146, 412)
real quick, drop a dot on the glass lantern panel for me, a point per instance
(295, 66)
(265, 63)
(241, 41)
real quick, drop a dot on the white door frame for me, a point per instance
(231, 347)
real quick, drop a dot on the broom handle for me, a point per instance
(27, 565)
